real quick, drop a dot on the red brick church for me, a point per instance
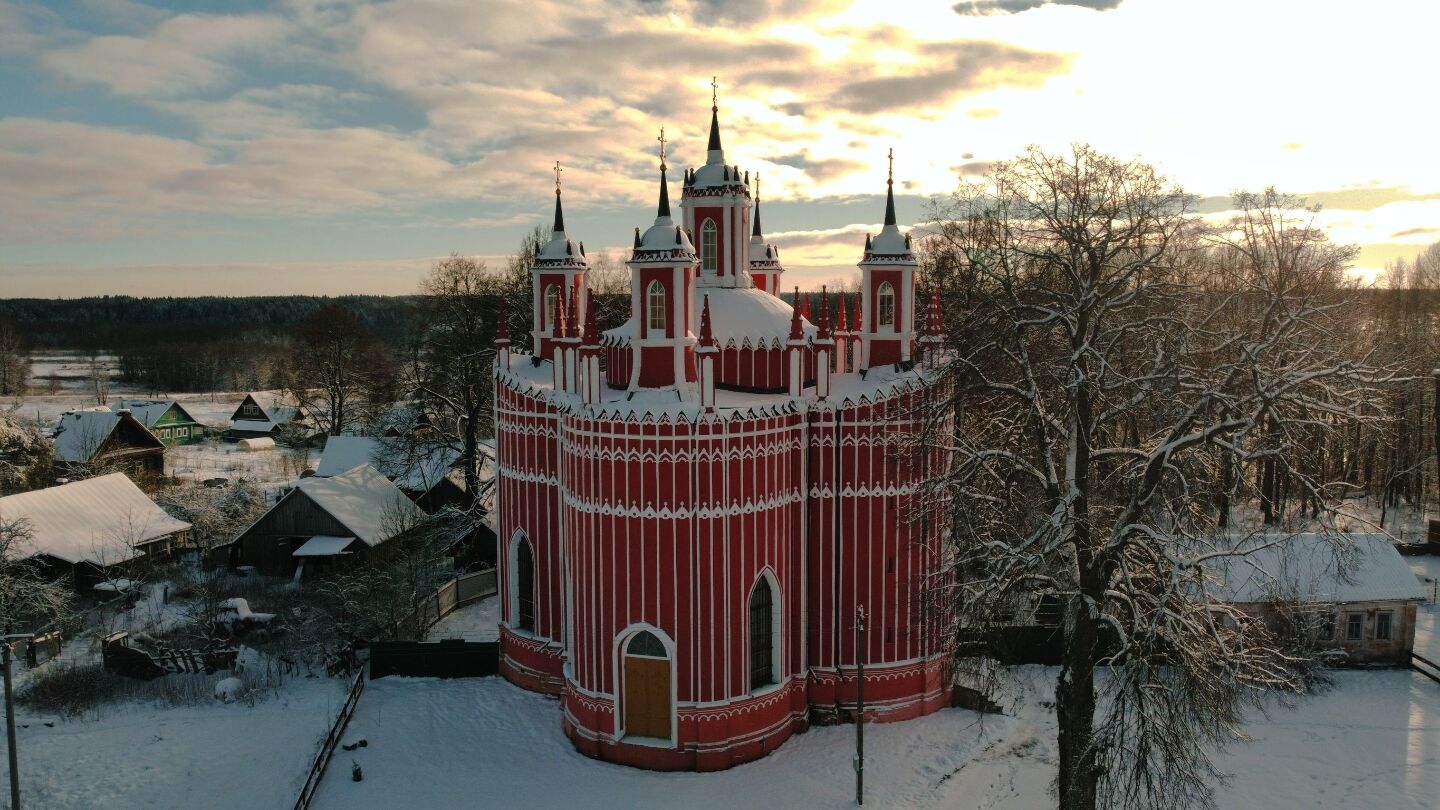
(693, 506)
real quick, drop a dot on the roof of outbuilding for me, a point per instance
(365, 502)
(428, 468)
(1316, 568)
(99, 520)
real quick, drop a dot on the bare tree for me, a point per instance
(27, 598)
(340, 377)
(1099, 368)
(14, 361)
(99, 377)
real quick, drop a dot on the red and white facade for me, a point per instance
(688, 533)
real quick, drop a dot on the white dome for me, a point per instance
(663, 236)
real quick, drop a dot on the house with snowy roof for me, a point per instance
(89, 532)
(425, 473)
(165, 418)
(265, 414)
(328, 523)
(103, 439)
(1356, 591)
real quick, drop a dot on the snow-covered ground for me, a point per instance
(479, 621)
(1373, 740)
(215, 756)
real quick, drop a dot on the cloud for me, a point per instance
(983, 7)
(820, 169)
(956, 68)
(180, 54)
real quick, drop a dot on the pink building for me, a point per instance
(688, 528)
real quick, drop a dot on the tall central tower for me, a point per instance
(716, 211)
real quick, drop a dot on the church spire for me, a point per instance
(663, 211)
(559, 216)
(714, 118)
(755, 232)
(890, 191)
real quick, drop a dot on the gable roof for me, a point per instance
(430, 467)
(148, 411)
(1308, 568)
(81, 433)
(273, 410)
(99, 520)
(363, 501)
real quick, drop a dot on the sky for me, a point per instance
(253, 147)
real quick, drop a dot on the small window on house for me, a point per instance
(164, 433)
(885, 304)
(656, 301)
(551, 294)
(1354, 626)
(1383, 620)
(709, 246)
(251, 409)
(182, 432)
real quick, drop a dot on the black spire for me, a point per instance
(890, 192)
(714, 116)
(559, 217)
(664, 209)
(756, 231)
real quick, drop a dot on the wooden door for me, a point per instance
(647, 697)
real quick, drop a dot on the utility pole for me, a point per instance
(860, 705)
(5, 642)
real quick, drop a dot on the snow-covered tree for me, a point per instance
(27, 599)
(1102, 369)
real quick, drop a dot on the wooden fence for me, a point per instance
(451, 658)
(456, 593)
(332, 739)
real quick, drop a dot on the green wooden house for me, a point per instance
(165, 418)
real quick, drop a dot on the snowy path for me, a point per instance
(475, 622)
(212, 756)
(1372, 741)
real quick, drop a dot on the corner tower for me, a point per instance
(557, 278)
(887, 290)
(716, 206)
(765, 266)
(662, 286)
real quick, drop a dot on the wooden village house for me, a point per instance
(1361, 601)
(165, 418)
(265, 414)
(324, 524)
(426, 474)
(102, 439)
(94, 531)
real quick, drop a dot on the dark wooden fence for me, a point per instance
(456, 593)
(1425, 666)
(451, 658)
(332, 739)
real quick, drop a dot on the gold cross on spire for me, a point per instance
(890, 174)
(661, 139)
(757, 186)
(714, 92)
(557, 176)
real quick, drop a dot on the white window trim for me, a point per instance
(710, 247)
(653, 293)
(886, 291)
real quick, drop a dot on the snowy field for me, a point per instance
(1373, 741)
(213, 755)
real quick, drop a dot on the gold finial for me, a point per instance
(557, 176)
(714, 93)
(890, 175)
(757, 187)
(661, 139)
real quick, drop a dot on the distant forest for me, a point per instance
(192, 344)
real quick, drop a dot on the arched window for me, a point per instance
(762, 635)
(709, 246)
(524, 586)
(655, 295)
(647, 644)
(885, 304)
(551, 294)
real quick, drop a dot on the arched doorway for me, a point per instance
(647, 686)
